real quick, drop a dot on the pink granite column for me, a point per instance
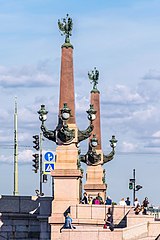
(67, 82)
(95, 100)
(94, 183)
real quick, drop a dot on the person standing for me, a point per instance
(128, 202)
(145, 206)
(90, 200)
(122, 202)
(97, 201)
(137, 206)
(136, 203)
(108, 201)
(100, 198)
(85, 199)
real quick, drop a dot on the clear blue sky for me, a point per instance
(120, 38)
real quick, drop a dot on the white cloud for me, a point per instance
(24, 156)
(143, 114)
(26, 76)
(122, 94)
(82, 104)
(156, 134)
(129, 147)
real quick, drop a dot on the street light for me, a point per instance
(113, 142)
(91, 113)
(133, 186)
(42, 114)
(65, 112)
(94, 141)
(63, 134)
(138, 187)
(93, 158)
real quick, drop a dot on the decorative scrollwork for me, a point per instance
(109, 157)
(65, 134)
(91, 158)
(51, 135)
(94, 159)
(61, 134)
(82, 135)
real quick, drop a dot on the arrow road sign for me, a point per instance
(49, 156)
(48, 167)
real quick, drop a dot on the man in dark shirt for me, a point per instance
(108, 201)
(145, 206)
(84, 199)
(128, 202)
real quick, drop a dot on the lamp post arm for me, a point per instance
(82, 135)
(82, 158)
(109, 157)
(91, 158)
(51, 135)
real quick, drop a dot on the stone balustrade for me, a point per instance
(95, 214)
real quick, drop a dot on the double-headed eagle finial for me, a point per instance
(65, 27)
(94, 76)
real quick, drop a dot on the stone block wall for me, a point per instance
(24, 217)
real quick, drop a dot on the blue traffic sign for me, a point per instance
(48, 167)
(49, 156)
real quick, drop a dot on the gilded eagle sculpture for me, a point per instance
(94, 76)
(65, 27)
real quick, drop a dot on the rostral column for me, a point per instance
(95, 159)
(67, 174)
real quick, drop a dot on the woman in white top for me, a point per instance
(137, 207)
(136, 203)
(122, 202)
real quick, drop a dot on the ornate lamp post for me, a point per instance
(62, 134)
(67, 175)
(93, 158)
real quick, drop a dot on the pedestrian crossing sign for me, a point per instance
(48, 167)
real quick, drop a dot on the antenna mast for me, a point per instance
(15, 192)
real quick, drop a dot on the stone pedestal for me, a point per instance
(67, 184)
(94, 182)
